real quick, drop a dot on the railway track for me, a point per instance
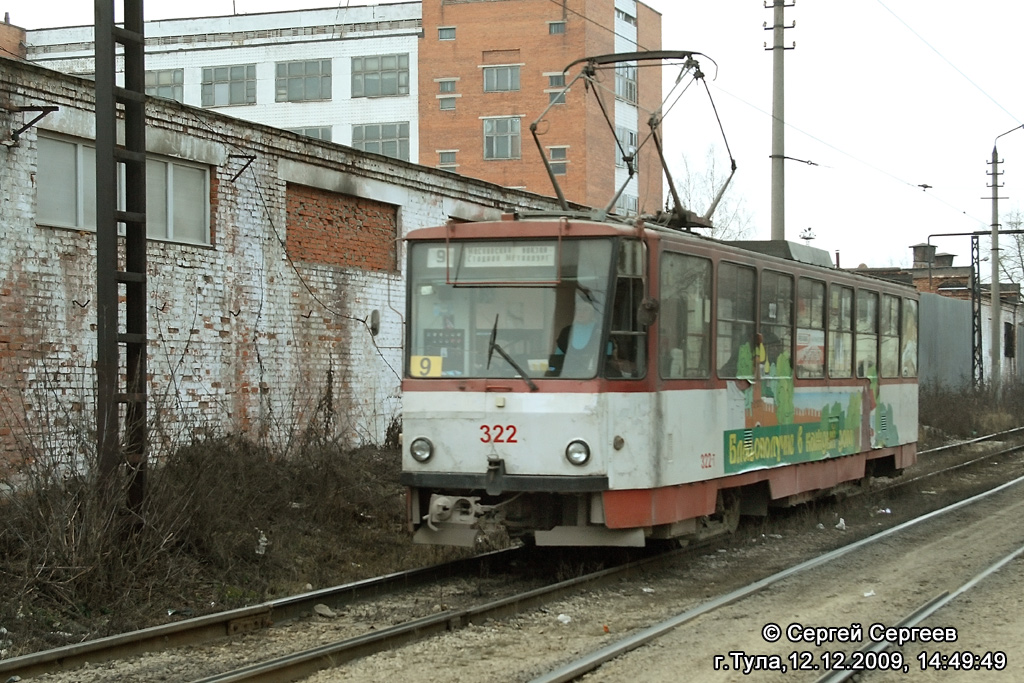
(850, 657)
(297, 665)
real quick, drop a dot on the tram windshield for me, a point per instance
(506, 308)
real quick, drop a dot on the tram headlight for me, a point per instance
(577, 452)
(421, 449)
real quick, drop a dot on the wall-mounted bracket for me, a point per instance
(43, 111)
(249, 159)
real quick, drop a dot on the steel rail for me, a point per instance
(592, 661)
(224, 624)
(212, 626)
(924, 612)
(301, 664)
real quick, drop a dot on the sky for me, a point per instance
(882, 96)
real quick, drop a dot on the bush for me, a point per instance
(225, 523)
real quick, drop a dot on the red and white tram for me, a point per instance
(584, 382)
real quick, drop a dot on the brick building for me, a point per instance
(489, 68)
(346, 74)
(465, 76)
(263, 279)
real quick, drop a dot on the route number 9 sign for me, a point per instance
(425, 366)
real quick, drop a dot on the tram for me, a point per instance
(581, 382)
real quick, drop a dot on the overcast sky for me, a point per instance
(881, 95)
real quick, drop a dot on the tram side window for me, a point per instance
(908, 349)
(810, 329)
(889, 332)
(777, 323)
(684, 317)
(840, 332)
(628, 338)
(867, 334)
(735, 329)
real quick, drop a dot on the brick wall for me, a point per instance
(516, 32)
(340, 230)
(261, 332)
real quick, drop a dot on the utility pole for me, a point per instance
(778, 157)
(996, 331)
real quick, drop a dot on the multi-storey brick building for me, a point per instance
(468, 77)
(345, 74)
(489, 68)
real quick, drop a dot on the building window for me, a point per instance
(625, 82)
(169, 83)
(556, 28)
(447, 103)
(558, 158)
(446, 86)
(380, 76)
(304, 81)
(627, 205)
(627, 144)
(389, 139)
(501, 78)
(556, 97)
(320, 133)
(501, 138)
(227, 85)
(177, 192)
(625, 16)
(446, 160)
(446, 33)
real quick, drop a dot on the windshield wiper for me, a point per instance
(493, 345)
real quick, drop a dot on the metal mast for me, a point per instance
(109, 275)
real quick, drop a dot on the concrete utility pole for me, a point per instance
(996, 331)
(997, 310)
(778, 118)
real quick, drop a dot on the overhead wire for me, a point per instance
(947, 61)
(283, 245)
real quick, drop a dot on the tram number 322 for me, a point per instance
(498, 434)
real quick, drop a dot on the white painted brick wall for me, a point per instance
(237, 342)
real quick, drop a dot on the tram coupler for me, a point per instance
(494, 480)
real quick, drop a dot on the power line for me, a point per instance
(873, 167)
(951, 64)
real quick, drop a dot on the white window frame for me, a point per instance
(176, 86)
(491, 71)
(626, 82)
(515, 140)
(316, 132)
(83, 172)
(442, 33)
(558, 158)
(323, 75)
(556, 28)
(359, 75)
(398, 139)
(249, 84)
(448, 163)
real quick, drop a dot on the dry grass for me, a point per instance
(964, 413)
(225, 523)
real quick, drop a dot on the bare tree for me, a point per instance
(698, 188)
(1011, 248)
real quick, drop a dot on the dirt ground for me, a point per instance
(879, 585)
